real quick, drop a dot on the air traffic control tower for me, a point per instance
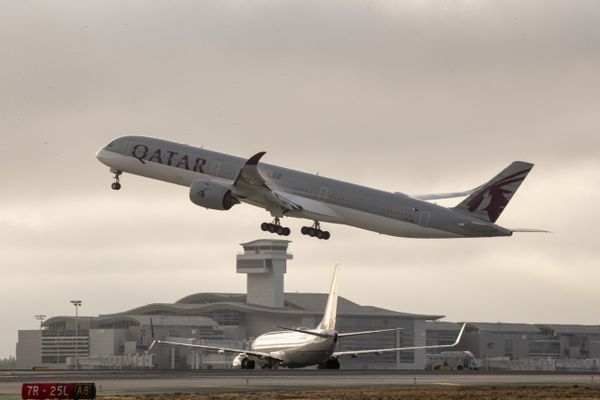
(264, 261)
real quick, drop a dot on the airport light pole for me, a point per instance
(41, 318)
(77, 304)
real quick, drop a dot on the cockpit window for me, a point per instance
(110, 144)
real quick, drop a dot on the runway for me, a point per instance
(153, 381)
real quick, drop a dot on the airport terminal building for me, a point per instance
(223, 319)
(121, 340)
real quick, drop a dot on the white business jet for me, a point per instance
(303, 347)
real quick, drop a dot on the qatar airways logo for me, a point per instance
(492, 199)
(167, 157)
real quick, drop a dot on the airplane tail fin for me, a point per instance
(328, 321)
(489, 200)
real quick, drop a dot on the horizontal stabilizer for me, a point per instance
(319, 334)
(528, 230)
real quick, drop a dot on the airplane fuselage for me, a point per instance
(297, 349)
(330, 200)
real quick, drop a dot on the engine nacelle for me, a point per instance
(210, 194)
(242, 361)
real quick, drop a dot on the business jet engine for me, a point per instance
(242, 361)
(211, 194)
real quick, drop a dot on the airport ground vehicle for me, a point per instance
(451, 361)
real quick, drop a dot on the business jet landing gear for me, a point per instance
(315, 231)
(331, 363)
(275, 227)
(116, 185)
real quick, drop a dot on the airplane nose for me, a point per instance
(100, 155)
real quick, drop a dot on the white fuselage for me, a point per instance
(297, 349)
(324, 199)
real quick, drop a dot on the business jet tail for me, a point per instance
(328, 321)
(489, 200)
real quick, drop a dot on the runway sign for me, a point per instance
(75, 391)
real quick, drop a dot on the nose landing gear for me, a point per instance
(315, 231)
(116, 185)
(275, 227)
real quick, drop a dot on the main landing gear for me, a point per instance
(275, 227)
(116, 185)
(331, 363)
(315, 231)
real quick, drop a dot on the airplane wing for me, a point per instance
(257, 354)
(250, 185)
(355, 353)
(367, 332)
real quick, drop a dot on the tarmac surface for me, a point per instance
(118, 382)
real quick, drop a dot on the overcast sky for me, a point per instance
(413, 96)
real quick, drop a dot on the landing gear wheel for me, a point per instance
(116, 185)
(315, 231)
(332, 363)
(275, 227)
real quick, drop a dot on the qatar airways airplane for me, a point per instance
(302, 347)
(219, 181)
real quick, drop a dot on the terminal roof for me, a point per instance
(503, 327)
(295, 304)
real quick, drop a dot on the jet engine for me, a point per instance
(210, 194)
(242, 361)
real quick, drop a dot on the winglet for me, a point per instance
(250, 170)
(255, 158)
(460, 334)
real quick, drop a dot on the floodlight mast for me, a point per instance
(41, 318)
(77, 304)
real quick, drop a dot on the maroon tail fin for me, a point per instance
(489, 201)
